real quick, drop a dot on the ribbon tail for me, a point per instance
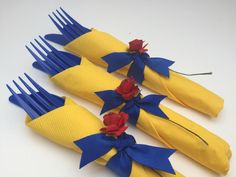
(160, 65)
(93, 147)
(137, 70)
(121, 164)
(153, 157)
(133, 112)
(57, 38)
(110, 98)
(151, 104)
(117, 60)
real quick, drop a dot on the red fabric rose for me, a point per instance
(127, 88)
(115, 123)
(137, 46)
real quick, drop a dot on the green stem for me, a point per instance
(189, 131)
(193, 74)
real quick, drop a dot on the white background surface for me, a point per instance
(198, 35)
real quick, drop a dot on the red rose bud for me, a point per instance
(115, 123)
(137, 46)
(127, 88)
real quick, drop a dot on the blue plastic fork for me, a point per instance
(37, 102)
(54, 61)
(69, 28)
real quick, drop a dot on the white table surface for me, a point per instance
(198, 35)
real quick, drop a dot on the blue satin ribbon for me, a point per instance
(149, 103)
(138, 61)
(97, 145)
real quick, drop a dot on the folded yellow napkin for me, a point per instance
(85, 79)
(96, 44)
(72, 122)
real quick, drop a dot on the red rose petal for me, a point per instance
(137, 46)
(115, 123)
(127, 88)
(121, 130)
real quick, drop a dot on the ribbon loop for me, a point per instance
(160, 65)
(150, 104)
(90, 153)
(123, 58)
(111, 100)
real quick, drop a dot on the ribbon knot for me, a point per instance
(132, 107)
(122, 143)
(133, 102)
(97, 145)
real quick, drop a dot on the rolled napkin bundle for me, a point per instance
(175, 131)
(105, 50)
(64, 122)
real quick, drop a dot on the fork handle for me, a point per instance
(57, 38)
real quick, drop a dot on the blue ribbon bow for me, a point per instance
(118, 60)
(97, 145)
(149, 103)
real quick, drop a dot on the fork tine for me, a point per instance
(52, 99)
(37, 97)
(53, 56)
(31, 101)
(66, 27)
(55, 65)
(48, 45)
(79, 26)
(55, 51)
(76, 30)
(45, 67)
(31, 112)
(65, 33)
(64, 18)
(47, 60)
(60, 55)
(65, 59)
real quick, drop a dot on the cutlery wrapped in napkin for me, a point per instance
(74, 127)
(132, 60)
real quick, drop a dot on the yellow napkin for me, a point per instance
(95, 44)
(72, 122)
(85, 79)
